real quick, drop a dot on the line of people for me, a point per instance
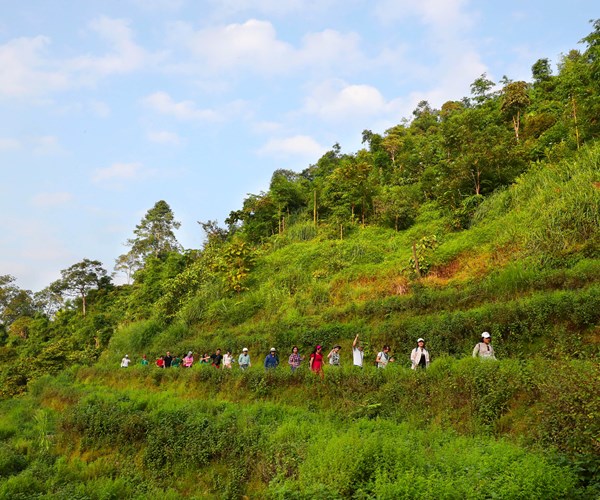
(419, 357)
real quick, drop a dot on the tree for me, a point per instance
(480, 89)
(47, 301)
(348, 186)
(258, 217)
(128, 263)
(514, 101)
(154, 234)
(236, 263)
(14, 302)
(425, 117)
(215, 235)
(574, 89)
(541, 71)
(80, 278)
(396, 206)
(289, 194)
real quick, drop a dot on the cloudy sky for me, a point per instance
(108, 106)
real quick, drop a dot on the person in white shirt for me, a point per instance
(383, 357)
(357, 353)
(419, 356)
(484, 349)
(125, 361)
(227, 360)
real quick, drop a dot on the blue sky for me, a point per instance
(107, 107)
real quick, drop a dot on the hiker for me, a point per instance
(295, 359)
(271, 361)
(244, 359)
(160, 362)
(216, 359)
(316, 361)
(484, 349)
(419, 356)
(383, 357)
(144, 361)
(358, 353)
(176, 363)
(125, 361)
(168, 360)
(188, 361)
(334, 355)
(227, 360)
(205, 359)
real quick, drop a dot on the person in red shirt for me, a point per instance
(316, 361)
(160, 362)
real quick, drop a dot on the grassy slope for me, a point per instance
(527, 270)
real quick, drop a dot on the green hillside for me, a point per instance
(456, 223)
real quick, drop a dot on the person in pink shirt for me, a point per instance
(188, 361)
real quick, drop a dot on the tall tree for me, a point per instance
(154, 236)
(80, 278)
(14, 302)
(514, 101)
(480, 89)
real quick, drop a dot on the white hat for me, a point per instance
(420, 340)
(485, 335)
(244, 349)
(273, 349)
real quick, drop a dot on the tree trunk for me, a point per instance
(575, 120)
(315, 208)
(416, 259)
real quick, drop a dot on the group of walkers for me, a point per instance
(419, 357)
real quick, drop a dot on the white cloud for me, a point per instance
(28, 69)
(444, 15)
(119, 171)
(46, 200)
(183, 110)
(299, 145)
(25, 71)
(335, 100)
(8, 143)
(254, 46)
(228, 8)
(162, 102)
(455, 59)
(126, 55)
(164, 137)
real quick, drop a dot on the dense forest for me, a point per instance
(481, 215)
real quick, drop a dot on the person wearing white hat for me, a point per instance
(271, 361)
(484, 349)
(125, 361)
(419, 357)
(244, 359)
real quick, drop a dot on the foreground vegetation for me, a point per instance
(455, 431)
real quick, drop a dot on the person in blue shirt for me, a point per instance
(271, 361)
